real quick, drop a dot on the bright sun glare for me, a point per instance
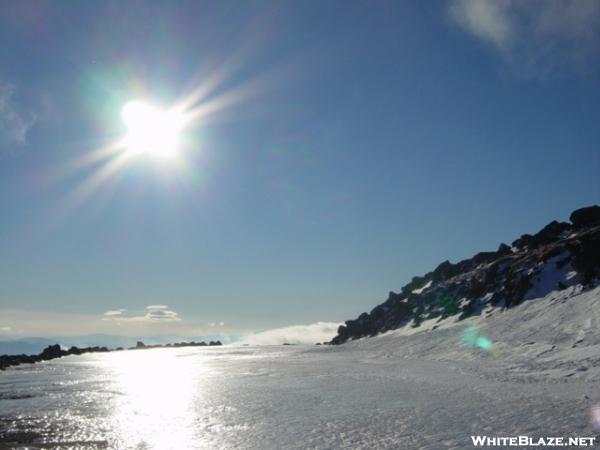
(151, 130)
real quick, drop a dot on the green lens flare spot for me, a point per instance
(484, 343)
(472, 338)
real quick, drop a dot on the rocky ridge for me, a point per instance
(55, 351)
(560, 255)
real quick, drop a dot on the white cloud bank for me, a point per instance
(14, 121)
(536, 36)
(296, 334)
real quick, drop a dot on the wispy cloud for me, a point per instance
(488, 20)
(535, 36)
(153, 313)
(216, 324)
(117, 322)
(15, 121)
(160, 313)
(296, 334)
(114, 312)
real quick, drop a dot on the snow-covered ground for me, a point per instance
(414, 388)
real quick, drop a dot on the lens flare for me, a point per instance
(472, 338)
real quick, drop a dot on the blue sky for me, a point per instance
(353, 145)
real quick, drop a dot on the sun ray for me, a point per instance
(232, 97)
(276, 77)
(91, 184)
(87, 160)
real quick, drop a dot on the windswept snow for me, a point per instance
(550, 273)
(412, 388)
(550, 338)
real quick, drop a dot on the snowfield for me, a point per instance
(412, 388)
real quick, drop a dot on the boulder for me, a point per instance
(551, 232)
(503, 250)
(587, 216)
(51, 352)
(415, 283)
(444, 271)
(526, 240)
(483, 257)
(586, 256)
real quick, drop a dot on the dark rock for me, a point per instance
(363, 317)
(444, 271)
(140, 344)
(586, 216)
(551, 232)
(51, 352)
(586, 256)
(415, 283)
(526, 240)
(483, 257)
(503, 250)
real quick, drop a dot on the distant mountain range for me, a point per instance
(561, 255)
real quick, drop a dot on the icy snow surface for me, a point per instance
(407, 389)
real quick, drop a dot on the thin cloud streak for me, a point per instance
(114, 312)
(535, 37)
(15, 123)
(488, 20)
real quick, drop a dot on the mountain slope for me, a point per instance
(559, 256)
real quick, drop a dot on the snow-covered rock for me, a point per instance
(560, 256)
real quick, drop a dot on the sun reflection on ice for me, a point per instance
(157, 390)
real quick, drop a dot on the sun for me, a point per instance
(151, 130)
